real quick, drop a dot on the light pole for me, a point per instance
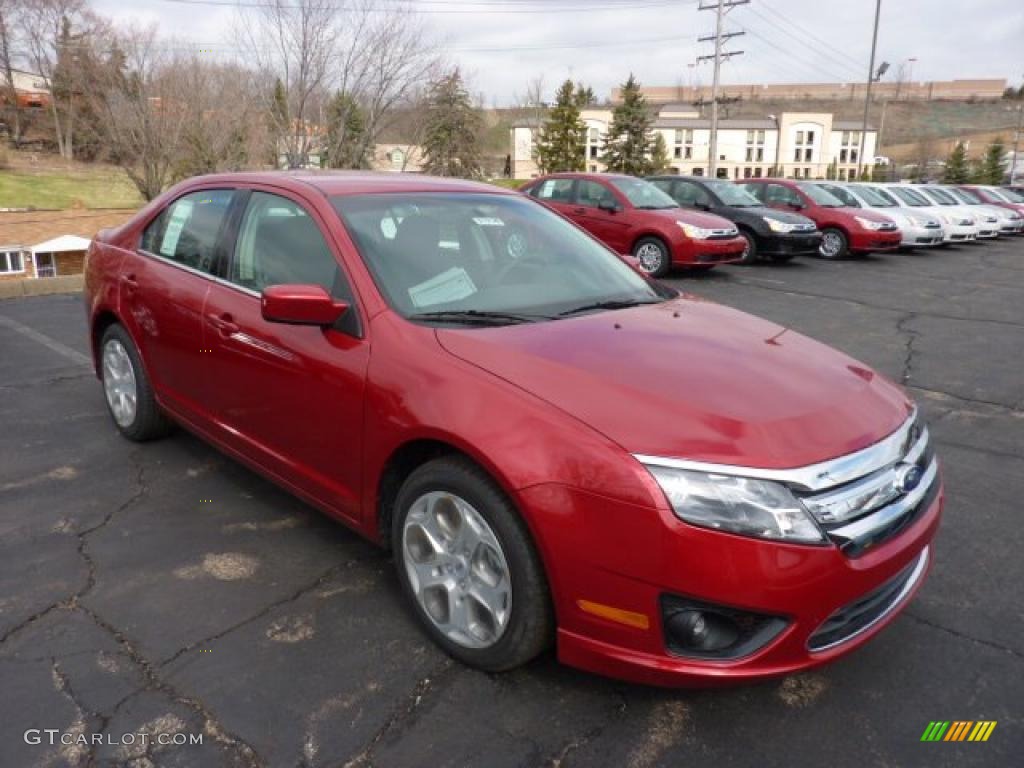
(1016, 142)
(867, 96)
(778, 143)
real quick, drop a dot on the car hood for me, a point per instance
(696, 218)
(691, 379)
(865, 213)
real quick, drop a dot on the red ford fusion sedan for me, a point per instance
(631, 215)
(555, 449)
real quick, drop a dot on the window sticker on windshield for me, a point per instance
(547, 188)
(181, 213)
(488, 221)
(450, 285)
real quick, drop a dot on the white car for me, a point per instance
(988, 222)
(956, 227)
(919, 229)
(1010, 222)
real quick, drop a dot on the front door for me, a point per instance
(290, 397)
(163, 287)
(556, 193)
(610, 227)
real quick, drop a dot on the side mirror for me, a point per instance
(300, 305)
(609, 205)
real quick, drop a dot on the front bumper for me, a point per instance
(920, 237)
(632, 557)
(956, 233)
(693, 253)
(789, 244)
(866, 241)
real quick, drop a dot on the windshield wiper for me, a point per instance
(654, 207)
(610, 304)
(478, 317)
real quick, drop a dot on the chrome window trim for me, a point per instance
(814, 477)
(197, 272)
(866, 526)
(901, 596)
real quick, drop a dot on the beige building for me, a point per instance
(953, 90)
(803, 144)
(398, 158)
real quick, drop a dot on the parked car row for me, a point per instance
(699, 223)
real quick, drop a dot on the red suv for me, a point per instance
(844, 231)
(631, 215)
(554, 447)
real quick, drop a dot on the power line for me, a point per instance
(823, 52)
(492, 7)
(720, 8)
(830, 46)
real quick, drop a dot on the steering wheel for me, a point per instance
(527, 262)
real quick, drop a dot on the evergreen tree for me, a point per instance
(347, 145)
(584, 95)
(452, 128)
(957, 171)
(562, 143)
(659, 155)
(992, 170)
(832, 172)
(629, 143)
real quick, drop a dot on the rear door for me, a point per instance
(610, 227)
(557, 194)
(289, 397)
(163, 288)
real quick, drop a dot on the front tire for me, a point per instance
(127, 390)
(750, 250)
(653, 255)
(467, 563)
(834, 244)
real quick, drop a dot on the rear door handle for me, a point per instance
(579, 210)
(224, 323)
(130, 281)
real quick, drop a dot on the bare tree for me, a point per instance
(10, 11)
(292, 45)
(145, 110)
(57, 35)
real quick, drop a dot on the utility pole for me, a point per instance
(720, 9)
(867, 96)
(1016, 142)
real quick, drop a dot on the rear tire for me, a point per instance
(127, 390)
(450, 507)
(834, 244)
(653, 255)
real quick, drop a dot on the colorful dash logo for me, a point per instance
(959, 730)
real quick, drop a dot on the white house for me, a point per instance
(747, 147)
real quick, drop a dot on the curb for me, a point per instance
(43, 286)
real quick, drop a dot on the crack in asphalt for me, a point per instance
(868, 304)
(437, 679)
(64, 686)
(558, 760)
(315, 584)
(1015, 410)
(53, 380)
(963, 635)
(912, 336)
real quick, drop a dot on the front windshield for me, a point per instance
(910, 197)
(845, 196)
(820, 196)
(968, 198)
(941, 195)
(884, 195)
(1006, 195)
(733, 194)
(475, 253)
(876, 198)
(642, 194)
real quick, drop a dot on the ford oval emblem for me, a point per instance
(908, 478)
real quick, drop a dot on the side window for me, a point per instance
(592, 194)
(665, 185)
(279, 244)
(776, 193)
(187, 230)
(554, 190)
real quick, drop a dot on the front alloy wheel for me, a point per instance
(119, 384)
(833, 244)
(457, 569)
(653, 256)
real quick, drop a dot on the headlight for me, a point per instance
(740, 505)
(869, 223)
(695, 233)
(775, 225)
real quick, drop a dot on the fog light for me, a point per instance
(702, 631)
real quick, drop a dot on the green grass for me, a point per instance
(53, 188)
(508, 183)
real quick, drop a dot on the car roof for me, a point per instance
(334, 182)
(583, 175)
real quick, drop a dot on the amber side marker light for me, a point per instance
(629, 618)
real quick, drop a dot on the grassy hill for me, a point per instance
(36, 180)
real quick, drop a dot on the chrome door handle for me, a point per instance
(224, 324)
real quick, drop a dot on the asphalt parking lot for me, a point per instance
(162, 587)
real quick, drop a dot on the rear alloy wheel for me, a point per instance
(834, 244)
(749, 255)
(465, 558)
(127, 389)
(653, 256)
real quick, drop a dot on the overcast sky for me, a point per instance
(502, 44)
